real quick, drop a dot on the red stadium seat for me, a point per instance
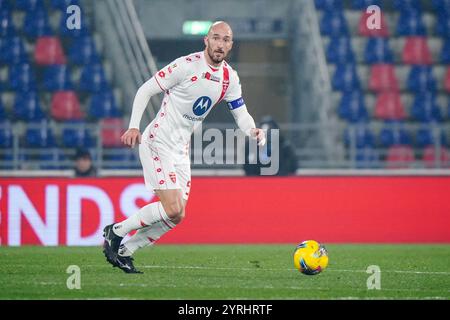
(389, 106)
(431, 157)
(363, 30)
(49, 51)
(112, 130)
(447, 80)
(383, 78)
(399, 157)
(416, 51)
(65, 106)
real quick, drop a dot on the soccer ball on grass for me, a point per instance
(310, 257)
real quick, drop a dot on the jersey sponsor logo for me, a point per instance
(209, 76)
(173, 177)
(235, 103)
(186, 116)
(202, 105)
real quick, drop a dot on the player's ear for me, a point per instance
(205, 40)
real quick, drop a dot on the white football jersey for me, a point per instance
(192, 88)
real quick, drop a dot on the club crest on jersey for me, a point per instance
(201, 105)
(173, 177)
(210, 76)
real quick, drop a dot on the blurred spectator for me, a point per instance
(83, 164)
(287, 157)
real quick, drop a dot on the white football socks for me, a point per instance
(146, 216)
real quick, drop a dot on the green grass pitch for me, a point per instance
(227, 272)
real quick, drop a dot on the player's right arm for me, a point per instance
(163, 80)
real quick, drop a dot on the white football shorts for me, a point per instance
(164, 169)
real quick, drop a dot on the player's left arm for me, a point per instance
(240, 113)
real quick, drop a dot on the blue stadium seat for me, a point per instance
(328, 4)
(123, 158)
(76, 135)
(407, 5)
(5, 5)
(367, 158)
(27, 107)
(377, 50)
(333, 23)
(425, 108)
(3, 114)
(410, 23)
(12, 50)
(103, 105)
(345, 78)
(394, 133)
(37, 24)
(352, 107)
(340, 50)
(363, 136)
(445, 53)
(21, 77)
(29, 5)
(441, 5)
(83, 51)
(364, 4)
(442, 27)
(421, 79)
(6, 134)
(63, 4)
(426, 136)
(39, 135)
(57, 78)
(6, 23)
(93, 78)
(52, 159)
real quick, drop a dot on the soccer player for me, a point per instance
(192, 85)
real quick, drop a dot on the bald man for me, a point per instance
(192, 85)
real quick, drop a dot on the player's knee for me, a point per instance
(175, 210)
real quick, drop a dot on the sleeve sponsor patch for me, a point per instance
(235, 103)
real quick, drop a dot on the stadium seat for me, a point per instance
(6, 134)
(359, 135)
(394, 133)
(399, 157)
(333, 23)
(442, 27)
(410, 24)
(21, 77)
(441, 5)
(49, 51)
(112, 130)
(367, 158)
(39, 135)
(436, 157)
(416, 51)
(65, 106)
(93, 78)
(339, 50)
(407, 5)
(364, 4)
(389, 106)
(52, 159)
(352, 107)
(6, 23)
(37, 24)
(57, 78)
(27, 107)
(345, 78)
(429, 135)
(121, 158)
(29, 5)
(421, 79)
(103, 105)
(76, 135)
(3, 114)
(328, 4)
(5, 5)
(445, 53)
(83, 51)
(378, 51)
(365, 31)
(425, 108)
(447, 80)
(63, 4)
(382, 78)
(12, 50)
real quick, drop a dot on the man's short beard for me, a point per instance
(211, 55)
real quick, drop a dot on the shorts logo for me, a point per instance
(201, 105)
(188, 184)
(173, 177)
